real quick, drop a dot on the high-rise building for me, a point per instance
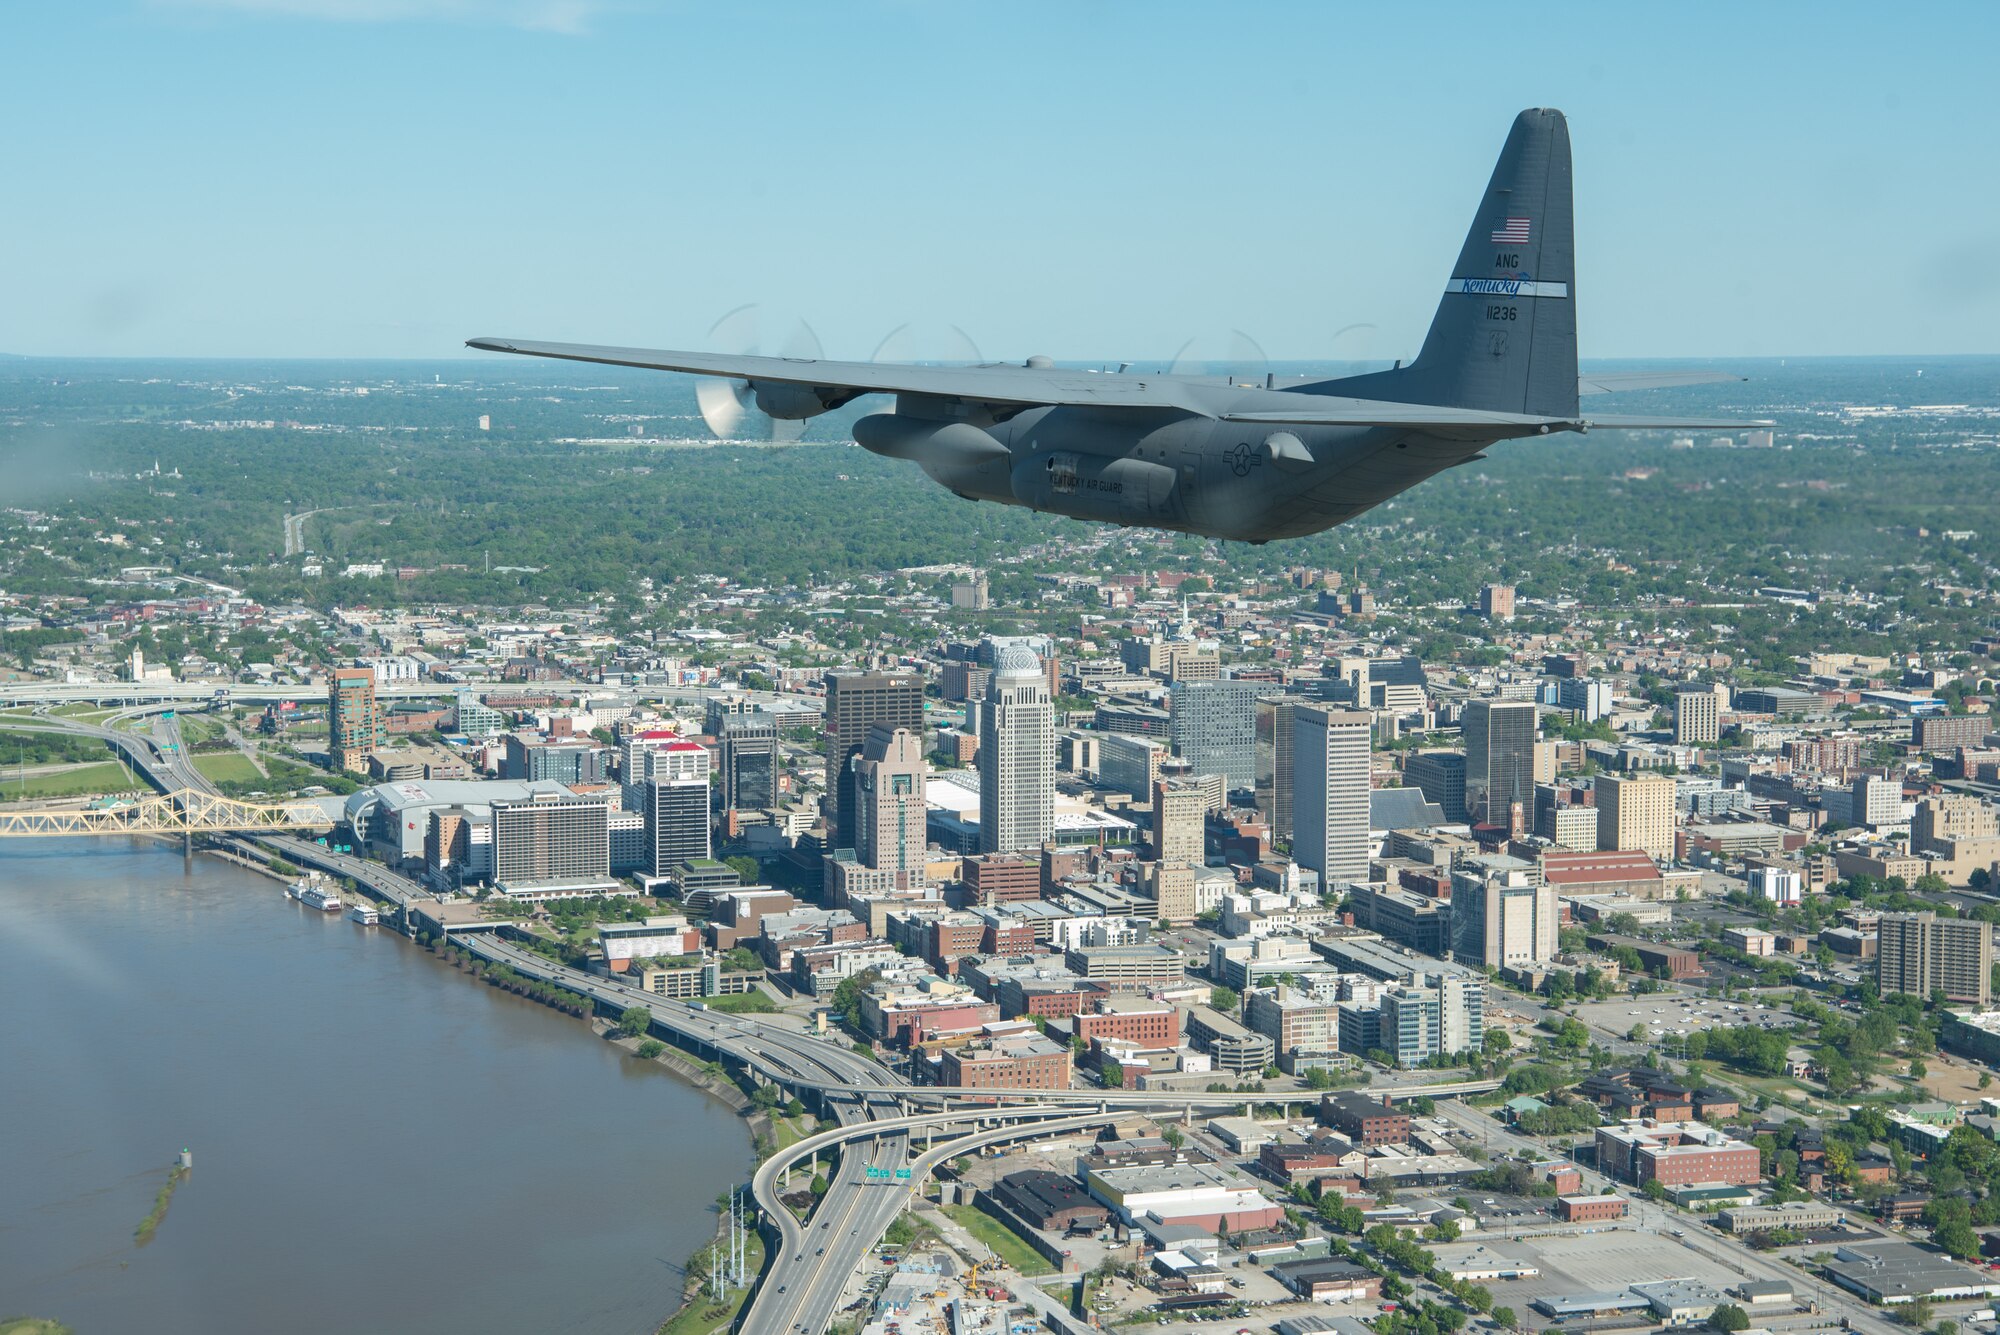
(1921, 953)
(1330, 785)
(677, 824)
(1174, 893)
(567, 761)
(1214, 728)
(1440, 777)
(1433, 1014)
(748, 750)
(889, 804)
(1697, 715)
(1636, 812)
(856, 702)
(1274, 763)
(354, 723)
(1294, 1021)
(1503, 919)
(1496, 602)
(1589, 697)
(552, 843)
(1129, 764)
(1877, 801)
(1180, 823)
(1499, 759)
(1017, 755)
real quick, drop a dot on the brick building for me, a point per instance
(1675, 1154)
(1139, 1020)
(1589, 1209)
(1013, 1061)
(1364, 1121)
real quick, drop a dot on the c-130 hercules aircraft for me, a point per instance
(1247, 462)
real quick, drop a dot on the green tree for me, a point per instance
(1173, 1135)
(1727, 1318)
(650, 1049)
(847, 996)
(1506, 1318)
(634, 1021)
(1224, 999)
(1495, 1042)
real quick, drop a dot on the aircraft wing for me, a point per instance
(1024, 385)
(1611, 382)
(1619, 422)
(1318, 410)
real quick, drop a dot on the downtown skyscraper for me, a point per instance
(1017, 755)
(1330, 786)
(1499, 759)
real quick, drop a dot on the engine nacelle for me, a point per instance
(788, 402)
(946, 444)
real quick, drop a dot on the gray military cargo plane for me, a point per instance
(1249, 462)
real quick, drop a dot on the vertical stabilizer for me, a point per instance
(1504, 337)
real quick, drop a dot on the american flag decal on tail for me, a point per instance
(1511, 232)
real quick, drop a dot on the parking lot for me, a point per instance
(1669, 1015)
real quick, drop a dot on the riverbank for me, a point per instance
(692, 1317)
(180, 988)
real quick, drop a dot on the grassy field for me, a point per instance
(104, 777)
(31, 1325)
(1003, 1240)
(703, 1315)
(227, 767)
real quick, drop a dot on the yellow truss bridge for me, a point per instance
(185, 811)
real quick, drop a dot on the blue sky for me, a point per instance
(388, 177)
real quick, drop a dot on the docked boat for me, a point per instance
(365, 914)
(315, 892)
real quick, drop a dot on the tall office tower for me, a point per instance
(1877, 801)
(889, 804)
(1274, 763)
(1330, 793)
(1503, 919)
(1214, 728)
(1697, 715)
(748, 755)
(1017, 755)
(1921, 953)
(856, 702)
(1496, 602)
(987, 653)
(1129, 764)
(1499, 759)
(1180, 823)
(1636, 811)
(677, 827)
(551, 840)
(719, 709)
(1440, 777)
(354, 723)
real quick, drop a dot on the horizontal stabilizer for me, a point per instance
(1611, 382)
(1615, 422)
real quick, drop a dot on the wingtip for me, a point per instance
(490, 344)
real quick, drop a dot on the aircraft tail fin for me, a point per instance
(1504, 337)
